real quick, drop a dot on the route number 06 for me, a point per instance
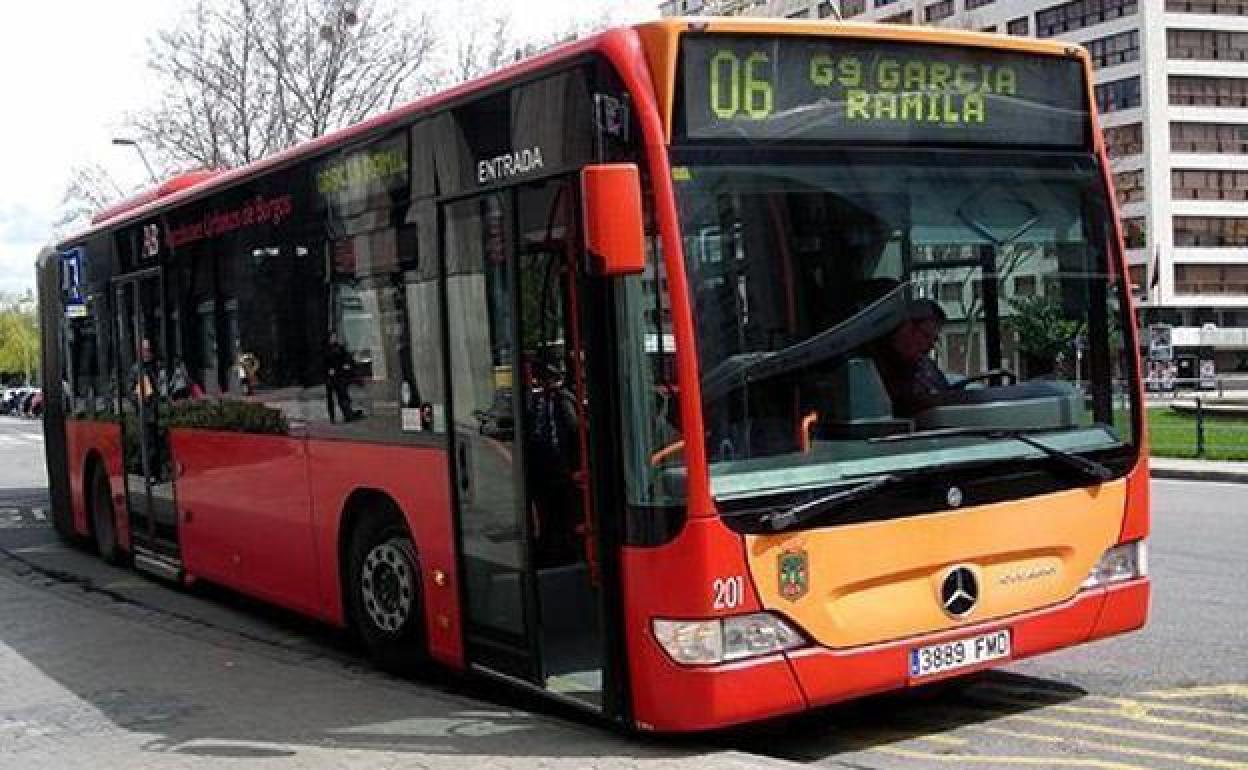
(740, 87)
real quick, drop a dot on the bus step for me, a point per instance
(155, 564)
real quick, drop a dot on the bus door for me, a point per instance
(144, 360)
(527, 537)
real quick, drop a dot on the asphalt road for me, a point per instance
(100, 667)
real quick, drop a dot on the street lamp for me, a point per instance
(142, 157)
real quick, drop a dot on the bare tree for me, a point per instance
(478, 46)
(91, 187)
(242, 79)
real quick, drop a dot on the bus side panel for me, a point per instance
(245, 514)
(700, 574)
(417, 479)
(82, 438)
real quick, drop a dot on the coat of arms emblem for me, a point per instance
(794, 575)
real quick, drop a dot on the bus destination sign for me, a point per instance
(792, 88)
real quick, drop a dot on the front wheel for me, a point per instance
(383, 594)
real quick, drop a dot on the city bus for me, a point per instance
(693, 373)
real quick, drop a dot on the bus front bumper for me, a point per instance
(682, 698)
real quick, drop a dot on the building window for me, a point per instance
(1211, 232)
(1209, 137)
(802, 14)
(1210, 279)
(1129, 186)
(1078, 14)
(1208, 92)
(882, 3)
(1207, 44)
(1118, 95)
(1115, 49)
(991, 29)
(1221, 7)
(826, 9)
(1205, 185)
(1134, 234)
(938, 11)
(1122, 141)
(852, 8)
(1138, 275)
(973, 4)
(1018, 27)
(899, 18)
(950, 291)
(1024, 286)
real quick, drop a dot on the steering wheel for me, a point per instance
(1005, 376)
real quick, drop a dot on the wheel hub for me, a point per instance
(387, 585)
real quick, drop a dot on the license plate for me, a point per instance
(960, 653)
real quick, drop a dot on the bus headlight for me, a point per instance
(705, 642)
(1122, 562)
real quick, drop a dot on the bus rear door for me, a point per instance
(149, 468)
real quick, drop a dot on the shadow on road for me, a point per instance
(211, 673)
(889, 719)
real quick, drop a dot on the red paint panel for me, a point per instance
(417, 479)
(675, 581)
(829, 676)
(245, 515)
(685, 698)
(82, 438)
(1126, 608)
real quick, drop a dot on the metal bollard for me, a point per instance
(1200, 427)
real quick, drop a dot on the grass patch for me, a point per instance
(1171, 434)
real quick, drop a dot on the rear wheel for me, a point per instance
(103, 519)
(383, 593)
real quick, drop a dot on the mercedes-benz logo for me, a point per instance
(953, 497)
(958, 592)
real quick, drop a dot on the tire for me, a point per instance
(383, 595)
(103, 519)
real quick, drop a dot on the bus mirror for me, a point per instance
(614, 234)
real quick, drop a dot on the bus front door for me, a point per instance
(519, 441)
(144, 361)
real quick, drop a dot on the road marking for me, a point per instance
(1176, 707)
(925, 756)
(1190, 759)
(38, 514)
(45, 548)
(1212, 691)
(1132, 710)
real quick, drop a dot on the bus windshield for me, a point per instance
(842, 300)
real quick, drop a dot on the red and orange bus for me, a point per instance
(694, 373)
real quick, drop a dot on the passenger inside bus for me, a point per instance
(904, 362)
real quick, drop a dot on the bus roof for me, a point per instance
(660, 43)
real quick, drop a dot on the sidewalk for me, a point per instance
(1197, 470)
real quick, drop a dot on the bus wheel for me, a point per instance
(103, 521)
(383, 594)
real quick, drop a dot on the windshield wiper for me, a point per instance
(804, 512)
(1089, 469)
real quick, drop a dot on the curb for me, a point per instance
(1199, 474)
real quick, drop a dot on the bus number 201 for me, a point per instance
(728, 592)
